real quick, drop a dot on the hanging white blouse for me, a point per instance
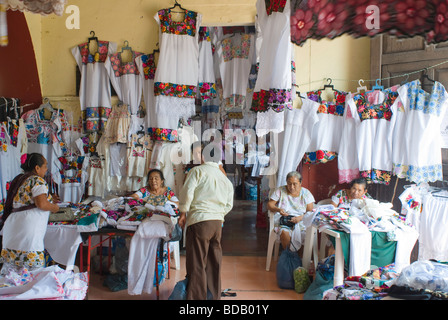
(297, 137)
(326, 136)
(206, 87)
(125, 79)
(235, 54)
(374, 129)
(273, 88)
(421, 135)
(94, 91)
(176, 77)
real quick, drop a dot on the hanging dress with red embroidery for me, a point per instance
(94, 91)
(273, 90)
(176, 77)
(326, 134)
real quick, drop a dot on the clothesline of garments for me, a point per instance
(373, 134)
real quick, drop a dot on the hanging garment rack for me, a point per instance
(386, 78)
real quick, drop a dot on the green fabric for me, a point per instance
(382, 254)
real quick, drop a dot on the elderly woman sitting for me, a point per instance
(156, 195)
(345, 197)
(292, 202)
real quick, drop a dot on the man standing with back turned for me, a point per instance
(205, 198)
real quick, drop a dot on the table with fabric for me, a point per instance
(382, 252)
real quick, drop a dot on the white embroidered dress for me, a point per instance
(421, 135)
(176, 76)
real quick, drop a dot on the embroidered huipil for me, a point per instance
(41, 135)
(273, 87)
(348, 167)
(146, 65)
(176, 77)
(125, 79)
(207, 87)
(374, 129)
(421, 133)
(326, 135)
(235, 54)
(94, 91)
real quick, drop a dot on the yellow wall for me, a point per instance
(115, 20)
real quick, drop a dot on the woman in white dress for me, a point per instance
(25, 217)
(291, 202)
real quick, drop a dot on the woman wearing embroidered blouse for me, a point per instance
(292, 202)
(156, 194)
(344, 198)
(25, 216)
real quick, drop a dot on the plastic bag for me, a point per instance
(287, 263)
(301, 280)
(180, 291)
(425, 274)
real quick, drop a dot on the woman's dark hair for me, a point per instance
(32, 160)
(361, 181)
(158, 171)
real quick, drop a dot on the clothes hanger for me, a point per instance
(405, 80)
(361, 87)
(92, 37)
(176, 4)
(126, 46)
(425, 76)
(156, 50)
(377, 86)
(328, 85)
(298, 92)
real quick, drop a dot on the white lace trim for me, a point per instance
(175, 107)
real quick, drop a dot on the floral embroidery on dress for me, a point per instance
(375, 111)
(431, 173)
(231, 50)
(234, 101)
(376, 176)
(335, 107)
(175, 90)
(161, 134)
(149, 66)
(276, 99)
(121, 68)
(207, 90)
(429, 103)
(95, 118)
(320, 156)
(275, 6)
(185, 27)
(99, 56)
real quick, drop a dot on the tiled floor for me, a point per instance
(243, 266)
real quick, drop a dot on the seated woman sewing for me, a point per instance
(156, 194)
(292, 202)
(345, 197)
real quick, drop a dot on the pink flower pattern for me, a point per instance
(318, 19)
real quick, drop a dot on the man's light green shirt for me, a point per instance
(206, 195)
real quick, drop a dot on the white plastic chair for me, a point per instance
(273, 242)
